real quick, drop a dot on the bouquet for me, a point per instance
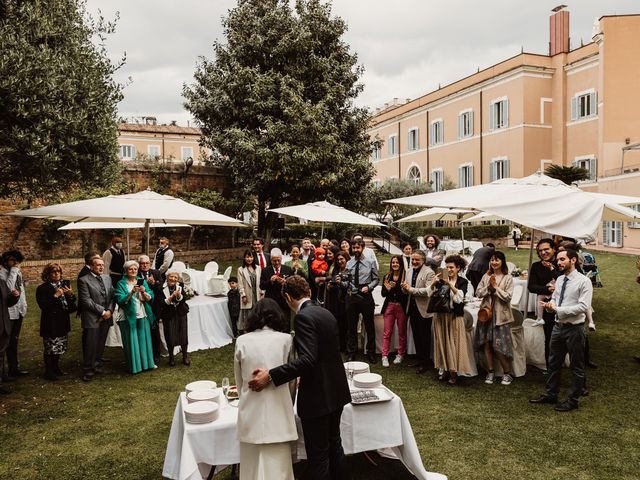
(188, 292)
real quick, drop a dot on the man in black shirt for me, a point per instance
(542, 282)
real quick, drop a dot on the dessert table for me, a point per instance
(192, 449)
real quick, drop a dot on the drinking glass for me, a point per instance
(225, 385)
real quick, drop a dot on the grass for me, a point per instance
(118, 425)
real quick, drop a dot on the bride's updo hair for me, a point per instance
(267, 313)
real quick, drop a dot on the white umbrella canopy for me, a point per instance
(437, 213)
(325, 212)
(145, 206)
(537, 201)
(118, 225)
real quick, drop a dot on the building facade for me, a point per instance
(148, 140)
(571, 107)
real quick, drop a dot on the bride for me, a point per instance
(265, 419)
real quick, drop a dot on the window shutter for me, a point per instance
(460, 177)
(593, 98)
(506, 169)
(470, 184)
(592, 169)
(460, 126)
(505, 114)
(492, 171)
(492, 112)
(574, 108)
(470, 123)
(442, 132)
(431, 134)
(605, 233)
(417, 139)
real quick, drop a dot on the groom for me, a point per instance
(323, 389)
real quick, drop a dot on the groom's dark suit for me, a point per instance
(323, 389)
(95, 295)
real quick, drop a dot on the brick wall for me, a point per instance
(30, 235)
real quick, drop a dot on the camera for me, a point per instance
(66, 283)
(345, 277)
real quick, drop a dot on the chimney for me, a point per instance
(559, 31)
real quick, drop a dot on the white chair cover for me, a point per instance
(179, 266)
(516, 295)
(227, 274)
(186, 279)
(511, 266)
(211, 268)
(534, 343)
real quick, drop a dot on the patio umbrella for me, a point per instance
(440, 213)
(118, 225)
(325, 212)
(538, 201)
(146, 207)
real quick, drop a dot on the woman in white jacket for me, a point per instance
(266, 423)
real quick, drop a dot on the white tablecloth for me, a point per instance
(208, 322)
(198, 280)
(192, 449)
(454, 246)
(533, 298)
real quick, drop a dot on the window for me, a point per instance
(413, 175)
(393, 145)
(584, 105)
(498, 168)
(414, 140)
(465, 124)
(376, 183)
(436, 133)
(465, 176)
(612, 234)
(589, 164)
(187, 152)
(499, 114)
(637, 209)
(437, 180)
(376, 152)
(154, 150)
(127, 152)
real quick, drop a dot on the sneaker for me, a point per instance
(506, 379)
(490, 377)
(385, 362)
(397, 360)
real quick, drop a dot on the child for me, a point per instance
(319, 266)
(233, 303)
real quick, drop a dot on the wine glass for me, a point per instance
(225, 385)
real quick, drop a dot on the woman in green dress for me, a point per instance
(297, 264)
(134, 298)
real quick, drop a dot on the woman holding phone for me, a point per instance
(134, 298)
(56, 301)
(393, 310)
(173, 312)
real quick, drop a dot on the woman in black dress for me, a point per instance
(56, 301)
(173, 312)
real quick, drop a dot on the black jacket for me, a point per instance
(272, 289)
(323, 385)
(54, 316)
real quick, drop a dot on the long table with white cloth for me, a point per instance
(208, 322)
(192, 449)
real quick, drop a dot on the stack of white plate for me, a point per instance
(200, 385)
(201, 412)
(367, 380)
(357, 367)
(204, 396)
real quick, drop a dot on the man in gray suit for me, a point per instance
(95, 298)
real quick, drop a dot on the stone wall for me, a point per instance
(40, 240)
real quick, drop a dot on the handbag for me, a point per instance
(440, 301)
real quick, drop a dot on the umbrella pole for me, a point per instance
(526, 293)
(462, 235)
(128, 253)
(146, 233)
(322, 231)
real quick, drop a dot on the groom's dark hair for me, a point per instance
(297, 287)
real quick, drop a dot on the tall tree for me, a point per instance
(391, 189)
(58, 100)
(568, 175)
(276, 102)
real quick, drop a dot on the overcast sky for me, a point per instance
(407, 47)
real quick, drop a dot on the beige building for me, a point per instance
(148, 140)
(571, 107)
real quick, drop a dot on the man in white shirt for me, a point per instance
(367, 252)
(571, 300)
(163, 258)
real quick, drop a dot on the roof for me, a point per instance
(143, 127)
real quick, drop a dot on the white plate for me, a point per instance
(200, 408)
(204, 396)
(200, 385)
(367, 380)
(357, 367)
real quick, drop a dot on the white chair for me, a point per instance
(227, 274)
(186, 279)
(516, 295)
(468, 321)
(511, 266)
(178, 266)
(211, 268)
(217, 285)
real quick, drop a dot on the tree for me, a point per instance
(568, 175)
(276, 103)
(58, 100)
(391, 189)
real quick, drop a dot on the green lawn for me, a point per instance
(117, 426)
